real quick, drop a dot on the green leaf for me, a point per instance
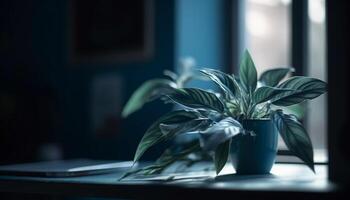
(197, 98)
(247, 73)
(148, 91)
(223, 80)
(304, 88)
(165, 160)
(261, 111)
(221, 156)
(295, 137)
(266, 93)
(273, 76)
(155, 135)
(198, 124)
(174, 154)
(233, 108)
(172, 75)
(298, 110)
(220, 132)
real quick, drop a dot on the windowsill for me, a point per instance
(285, 156)
(283, 177)
(291, 178)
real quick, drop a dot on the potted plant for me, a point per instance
(242, 120)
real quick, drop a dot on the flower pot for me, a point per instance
(255, 154)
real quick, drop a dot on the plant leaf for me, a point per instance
(220, 133)
(197, 98)
(221, 156)
(148, 91)
(192, 125)
(155, 135)
(247, 73)
(265, 93)
(297, 110)
(233, 108)
(165, 160)
(171, 155)
(172, 75)
(221, 79)
(304, 88)
(273, 76)
(295, 137)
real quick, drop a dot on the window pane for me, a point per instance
(317, 120)
(268, 38)
(268, 35)
(268, 32)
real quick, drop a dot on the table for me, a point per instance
(294, 180)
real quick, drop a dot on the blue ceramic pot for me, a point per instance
(255, 154)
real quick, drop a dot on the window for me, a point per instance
(267, 25)
(317, 116)
(268, 36)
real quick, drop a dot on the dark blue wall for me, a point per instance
(203, 33)
(34, 62)
(51, 96)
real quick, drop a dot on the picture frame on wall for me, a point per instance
(110, 31)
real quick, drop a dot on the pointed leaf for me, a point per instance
(165, 160)
(176, 153)
(172, 75)
(219, 133)
(221, 156)
(197, 98)
(247, 73)
(148, 91)
(189, 126)
(221, 79)
(266, 93)
(273, 76)
(304, 88)
(155, 135)
(295, 137)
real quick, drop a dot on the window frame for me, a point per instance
(337, 55)
(299, 46)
